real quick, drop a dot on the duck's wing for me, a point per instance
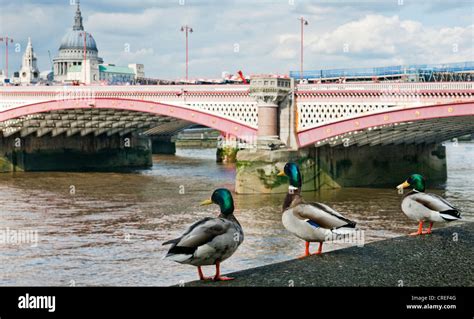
(196, 235)
(323, 215)
(186, 232)
(438, 204)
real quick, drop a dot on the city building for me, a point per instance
(88, 75)
(71, 53)
(112, 74)
(68, 65)
(107, 74)
(46, 76)
(138, 70)
(29, 72)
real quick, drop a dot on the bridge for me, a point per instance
(280, 120)
(384, 113)
(150, 110)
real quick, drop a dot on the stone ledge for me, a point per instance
(434, 260)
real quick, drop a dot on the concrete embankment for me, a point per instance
(444, 258)
(327, 167)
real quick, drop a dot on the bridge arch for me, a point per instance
(217, 122)
(435, 123)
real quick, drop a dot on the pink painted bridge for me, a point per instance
(157, 110)
(425, 124)
(134, 114)
(320, 114)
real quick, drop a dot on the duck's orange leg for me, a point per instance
(306, 251)
(320, 249)
(218, 276)
(420, 229)
(201, 275)
(428, 231)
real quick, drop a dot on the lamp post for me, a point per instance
(84, 35)
(7, 40)
(187, 29)
(303, 22)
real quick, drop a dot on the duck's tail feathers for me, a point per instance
(343, 230)
(179, 253)
(172, 241)
(177, 257)
(450, 215)
(350, 224)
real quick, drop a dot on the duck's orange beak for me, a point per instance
(403, 185)
(281, 173)
(206, 202)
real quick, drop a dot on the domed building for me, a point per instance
(71, 53)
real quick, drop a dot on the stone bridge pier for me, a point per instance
(73, 153)
(276, 138)
(325, 166)
(163, 144)
(272, 96)
(335, 167)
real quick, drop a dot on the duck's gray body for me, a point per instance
(428, 207)
(313, 222)
(207, 241)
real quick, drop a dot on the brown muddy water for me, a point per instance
(107, 228)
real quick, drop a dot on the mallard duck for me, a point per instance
(312, 222)
(209, 241)
(425, 207)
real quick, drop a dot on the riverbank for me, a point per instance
(444, 258)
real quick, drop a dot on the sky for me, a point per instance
(249, 35)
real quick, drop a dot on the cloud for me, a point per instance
(123, 23)
(266, 33)
(385, 39)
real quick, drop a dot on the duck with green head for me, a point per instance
(211, 240)
(312, 222)
(425, 207)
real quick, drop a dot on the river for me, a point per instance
(100, 229)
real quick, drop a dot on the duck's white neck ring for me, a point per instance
(292, 189)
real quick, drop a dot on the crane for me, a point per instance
(241, 76)
(50, 61)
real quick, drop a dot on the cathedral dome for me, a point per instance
(74, 39)
(72, 55)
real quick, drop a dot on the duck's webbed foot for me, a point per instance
(320, 249)
(420, 230)
(428, 231)
(218, 276)
(222, 278)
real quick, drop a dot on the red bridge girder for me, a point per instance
(314, 135)
(222, 124)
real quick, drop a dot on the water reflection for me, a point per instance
(107, 228)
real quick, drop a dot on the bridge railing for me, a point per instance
(431, 86)
(387, 71)
(129, 88)
(435, 86)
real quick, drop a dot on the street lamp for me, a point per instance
(7, 40)
(303, 22)
(84, 35)
(187, 29)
